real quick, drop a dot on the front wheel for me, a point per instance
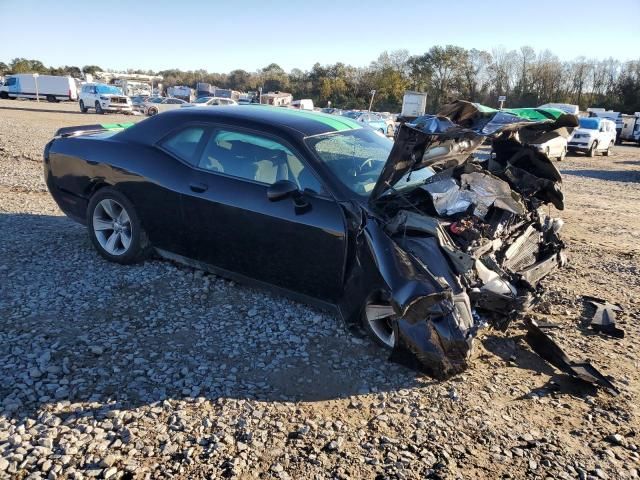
(378, 318)
(4, 95)
(83, 109)
(608, 150)
(99, 109)
(592, 150)
(115, 229)
(152, 112)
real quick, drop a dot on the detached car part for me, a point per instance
(544, 346)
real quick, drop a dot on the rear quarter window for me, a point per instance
(184, 144)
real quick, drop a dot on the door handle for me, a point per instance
(198, 187)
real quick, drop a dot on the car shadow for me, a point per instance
(515, 351)
(627, 176)
(93, 335)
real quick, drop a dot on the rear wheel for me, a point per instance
(152, 111)
(608, 150)
(83, 109)
(378, 317)
(51, 99)
(592, 150)
(99, 108)
(115, 229)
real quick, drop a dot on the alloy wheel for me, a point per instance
(379, 318)
(112, 227)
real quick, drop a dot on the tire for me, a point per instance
(608, 150)
(152, 111)
(592, 150)
(377, 317)
(83, 109)
(4, 95)
(99, 109)
(118, 238)
(563, 154)
(51, 99)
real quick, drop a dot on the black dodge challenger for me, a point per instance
(420, 241)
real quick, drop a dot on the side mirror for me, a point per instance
(282, 189)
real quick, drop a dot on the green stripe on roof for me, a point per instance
(536, 114)
(113, 126)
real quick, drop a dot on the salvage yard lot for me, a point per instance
(156, 370)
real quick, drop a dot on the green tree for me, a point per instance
(91, 69)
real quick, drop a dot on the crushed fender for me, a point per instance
(472, 240)
(549, 350)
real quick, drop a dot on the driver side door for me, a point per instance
(235, 227)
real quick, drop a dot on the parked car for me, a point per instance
(594, 135)
(553, 147)
(138, 101)
(103, 98)
(390, 121)
(50, 87)
(315, 206)
(370, 119)
(210, 101)
(162, 104)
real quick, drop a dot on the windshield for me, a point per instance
(108, 89)
(590, 123)
(355, 157)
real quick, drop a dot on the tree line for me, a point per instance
(526, 77)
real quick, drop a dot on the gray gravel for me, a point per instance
(160, 371)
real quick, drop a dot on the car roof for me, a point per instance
(256, 116)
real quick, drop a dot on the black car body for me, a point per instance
(306, 228)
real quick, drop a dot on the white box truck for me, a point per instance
(49, 87)
(631, 128)
(414, 104)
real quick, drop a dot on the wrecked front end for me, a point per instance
(477, 228)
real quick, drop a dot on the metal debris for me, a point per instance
(544, 346)
(604, 320)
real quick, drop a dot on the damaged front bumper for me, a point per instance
(476, 226)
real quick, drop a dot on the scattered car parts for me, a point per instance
(604, 318)
(549, 350)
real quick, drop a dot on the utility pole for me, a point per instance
(35, 78)
(373, 94)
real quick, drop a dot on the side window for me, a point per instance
(173, 101)
(254, 157)
(10, 82)
(184, 143)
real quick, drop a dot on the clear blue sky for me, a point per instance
(220, 35)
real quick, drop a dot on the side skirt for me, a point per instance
(238, 277)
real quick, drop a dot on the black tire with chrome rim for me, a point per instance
(114, 227)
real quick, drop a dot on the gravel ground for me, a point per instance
(160, 371)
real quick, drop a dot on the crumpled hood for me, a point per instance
(448, 138)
